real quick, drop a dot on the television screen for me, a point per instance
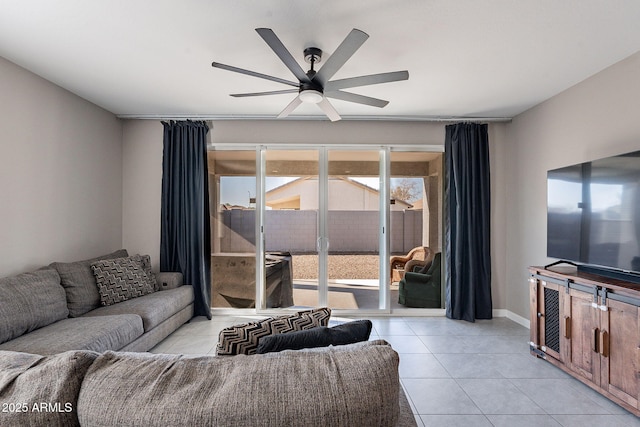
(593, 212)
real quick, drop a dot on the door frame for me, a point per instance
(385, 175)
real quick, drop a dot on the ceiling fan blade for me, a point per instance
(253, 73)
(273, 92)
(289, 108)
(328, 109)
(347, 48)
(353, 97)
(372, 79)
(276, 45)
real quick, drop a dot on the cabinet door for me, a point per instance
(551, 325)
(618, 347)
(581, 348)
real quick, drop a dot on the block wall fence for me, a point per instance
(295, 231)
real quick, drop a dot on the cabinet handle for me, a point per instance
(567, 327)
(604, 343)
(594, 339)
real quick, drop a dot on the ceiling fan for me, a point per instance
(315, 87)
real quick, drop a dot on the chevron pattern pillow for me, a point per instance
(121, 279)
(243, 339)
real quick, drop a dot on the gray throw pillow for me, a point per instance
(30, 301)
(121, 279)
(79, 283)
(346, 333)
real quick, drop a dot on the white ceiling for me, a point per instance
(466, 58)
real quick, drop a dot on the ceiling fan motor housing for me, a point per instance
(310, 85)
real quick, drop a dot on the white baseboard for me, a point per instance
(512, 316)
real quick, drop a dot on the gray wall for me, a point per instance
(60, 174)
(596, 118)
(142, 189)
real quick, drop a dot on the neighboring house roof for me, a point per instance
(417, 205)
(287, 185)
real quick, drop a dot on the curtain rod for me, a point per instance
(314, 118)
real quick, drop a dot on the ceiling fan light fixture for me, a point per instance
(310, 96)
(312, 85)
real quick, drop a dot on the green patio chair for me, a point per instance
(422, 290)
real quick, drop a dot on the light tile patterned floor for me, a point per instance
(460, 374)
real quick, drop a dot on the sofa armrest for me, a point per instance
(168, 280)
(411, 277)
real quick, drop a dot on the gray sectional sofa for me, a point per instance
(65, 360)
(57, 308)
(354, 385)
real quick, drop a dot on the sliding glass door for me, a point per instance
(416, 193)
(353, 229)
(321, 228)
(290, 218)
(298, 227)
(232, 203)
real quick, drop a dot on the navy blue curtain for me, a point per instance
(185, 243)
(467, 222)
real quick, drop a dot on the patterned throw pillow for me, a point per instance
(243, 339)
(121, 279)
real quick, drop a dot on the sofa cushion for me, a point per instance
(243, 339)
(80, 284)
(121, 279)
(333, 386)
(80, 333)
(42, 389)
(154, 308)
(346, 333)
(29, 301)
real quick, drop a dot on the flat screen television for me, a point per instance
(593, 214)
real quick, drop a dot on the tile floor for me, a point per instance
(457, 373)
